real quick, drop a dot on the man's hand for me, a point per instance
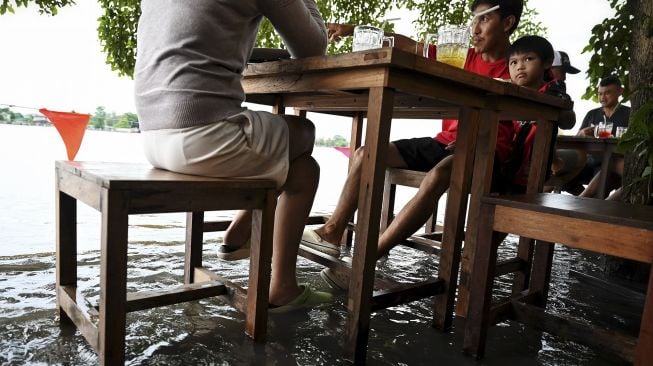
(336, 31)
(587, 131)
(451, 146)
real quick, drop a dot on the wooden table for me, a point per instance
(605, 147)
(386, 83)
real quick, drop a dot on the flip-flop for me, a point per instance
(314, 241)
(307, 298)
(228, 253)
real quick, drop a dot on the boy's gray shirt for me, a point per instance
(191, 54)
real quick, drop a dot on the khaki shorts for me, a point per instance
(250, 144)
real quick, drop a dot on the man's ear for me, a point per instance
(508, 22)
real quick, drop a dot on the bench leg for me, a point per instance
(482, 277)
(541, 272)
(113, 278)
(644, 350)
(260, 262)
(194, 243)
(66, 211)
(388, 206)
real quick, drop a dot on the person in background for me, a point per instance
(491, 40)
(611, 111)
(191, 55)
(562, 66)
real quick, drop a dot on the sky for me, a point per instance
(57, 63)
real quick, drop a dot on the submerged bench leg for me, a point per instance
(194, 244)
(644, 350)
(66, 211)
(113, 278)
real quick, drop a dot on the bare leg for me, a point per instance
(334, 228)
(293, 208)
(419, 208)
(592, 187)
(239, 230)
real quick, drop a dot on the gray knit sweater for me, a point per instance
(191, 54)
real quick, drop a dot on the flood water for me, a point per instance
(209, 332)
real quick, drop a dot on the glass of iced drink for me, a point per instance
(367, 37)
(453, 45)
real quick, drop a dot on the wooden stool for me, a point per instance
(605, 227)
(428, 242)
(118, 190)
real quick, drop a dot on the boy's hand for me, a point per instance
(336, 31)
(451, 146)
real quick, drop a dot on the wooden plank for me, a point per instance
(481, 185)
(74, 305)
(193, 244)
(580, 332)
(113, 277)
(455, 214)
(150, 299)
(611, 239)
(258, 289)
(187, 198)
(643, 352)
(425, 245)
(406, 293)
(509, 266)
(235, 296)
(323, 81)
(83, 190)
(369, 211)
(612, 212)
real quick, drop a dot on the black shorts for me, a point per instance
(421, 153)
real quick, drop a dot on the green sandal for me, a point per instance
(307, 298)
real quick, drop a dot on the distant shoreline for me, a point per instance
(89, 128)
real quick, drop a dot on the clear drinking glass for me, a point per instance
(453, 44)
(367, 37)
(620, 131)
(604, 130)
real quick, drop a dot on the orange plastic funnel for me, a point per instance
(71, 127)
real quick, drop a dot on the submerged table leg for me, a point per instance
(369, 212)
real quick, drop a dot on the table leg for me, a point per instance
(603, 175)
(481, 185)
(354, 143)
(113, 278)
(379, 119)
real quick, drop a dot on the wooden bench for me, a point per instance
(118, 190)
(605, 227)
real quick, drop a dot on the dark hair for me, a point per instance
(540, 46)
(507, 8)
(610, 80)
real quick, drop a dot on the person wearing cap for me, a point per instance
(562, 66)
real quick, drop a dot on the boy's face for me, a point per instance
(527, 69)
(489, 31)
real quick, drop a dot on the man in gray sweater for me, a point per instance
(190, 59)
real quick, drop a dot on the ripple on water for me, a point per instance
(211, 332)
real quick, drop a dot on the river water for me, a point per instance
(209, 332)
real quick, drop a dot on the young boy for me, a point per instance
(529, 63)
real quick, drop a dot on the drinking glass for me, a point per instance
(453, 44)
(620, 131)
(604, 130)
(367, 37)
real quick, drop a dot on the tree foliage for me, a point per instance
(117, 25)
(45, 6)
